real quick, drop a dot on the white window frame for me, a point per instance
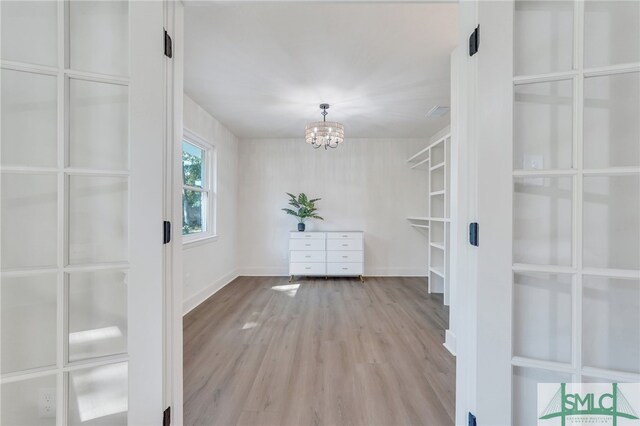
(209, 188)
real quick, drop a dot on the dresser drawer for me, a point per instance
(306, 268)
(344, 268)
(310, 244)
(344, 235)
(308, 256)
(345, 256)
(307, 235)
(344, 245)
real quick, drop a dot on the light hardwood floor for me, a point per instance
(263, 351)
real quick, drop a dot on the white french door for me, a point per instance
(81, 212)
(558, 199)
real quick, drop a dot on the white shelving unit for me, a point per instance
(435, 160)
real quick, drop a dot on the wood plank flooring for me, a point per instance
(263, 351)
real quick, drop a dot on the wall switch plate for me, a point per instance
(47, 402)
(534, 162)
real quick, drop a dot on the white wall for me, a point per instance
(209, 265)
(364, 184)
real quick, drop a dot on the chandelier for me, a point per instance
(324, 133)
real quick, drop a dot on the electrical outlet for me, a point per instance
(47, 402)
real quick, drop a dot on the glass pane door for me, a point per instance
(65, 212)
(576, 203)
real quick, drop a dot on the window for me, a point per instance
(198, 189)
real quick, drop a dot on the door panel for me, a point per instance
(98, 219)
(29, 321)
(99, 36)
(82, 172)
(30, 32)
(98, 395)
(97, 314)
(525, 392)
(19, 399)
(542, 316)
(611, 129)
(553, 45)
(542, 220)
(558, 182)
(611, 207)
(542, 125)
(99, 128)
(612, 304)
(29, 98)
(29, 220)
(611, 31)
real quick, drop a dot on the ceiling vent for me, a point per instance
(438, 111)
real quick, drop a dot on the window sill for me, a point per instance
(195, 242)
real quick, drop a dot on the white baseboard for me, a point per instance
(450, 342)
(195, 300)
(368, 272)
(396, 272)
(264, 272)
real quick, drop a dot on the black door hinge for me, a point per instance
(474, 41)
(168, 45)
(473, 234)
(472, 420)
(166, 417)
(166, 232)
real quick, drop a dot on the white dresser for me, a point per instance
(326, 254)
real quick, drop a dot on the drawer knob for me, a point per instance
(345, 257)
(345, 245)
(307, 245)
(307, 236)
(344, 236)
(345, 268)
(307, 267)
(307, 257)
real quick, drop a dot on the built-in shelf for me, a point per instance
(415, 225)
(437, 271)
(419, 156)
(436, 159)
(420, 163)
(429, 219)
(440, 219)
(437, 166)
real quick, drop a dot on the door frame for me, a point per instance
(483, 311)
(172, 188)
(146, 381)
(494, 134)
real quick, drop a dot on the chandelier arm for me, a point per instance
(331, 134)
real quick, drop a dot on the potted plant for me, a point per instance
(303, 209)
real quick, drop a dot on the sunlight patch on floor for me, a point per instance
(249, 325)
(288, 289)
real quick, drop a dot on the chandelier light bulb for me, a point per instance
(328, 134)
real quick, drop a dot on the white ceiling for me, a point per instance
(263, 69)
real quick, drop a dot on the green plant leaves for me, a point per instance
(304, 207)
